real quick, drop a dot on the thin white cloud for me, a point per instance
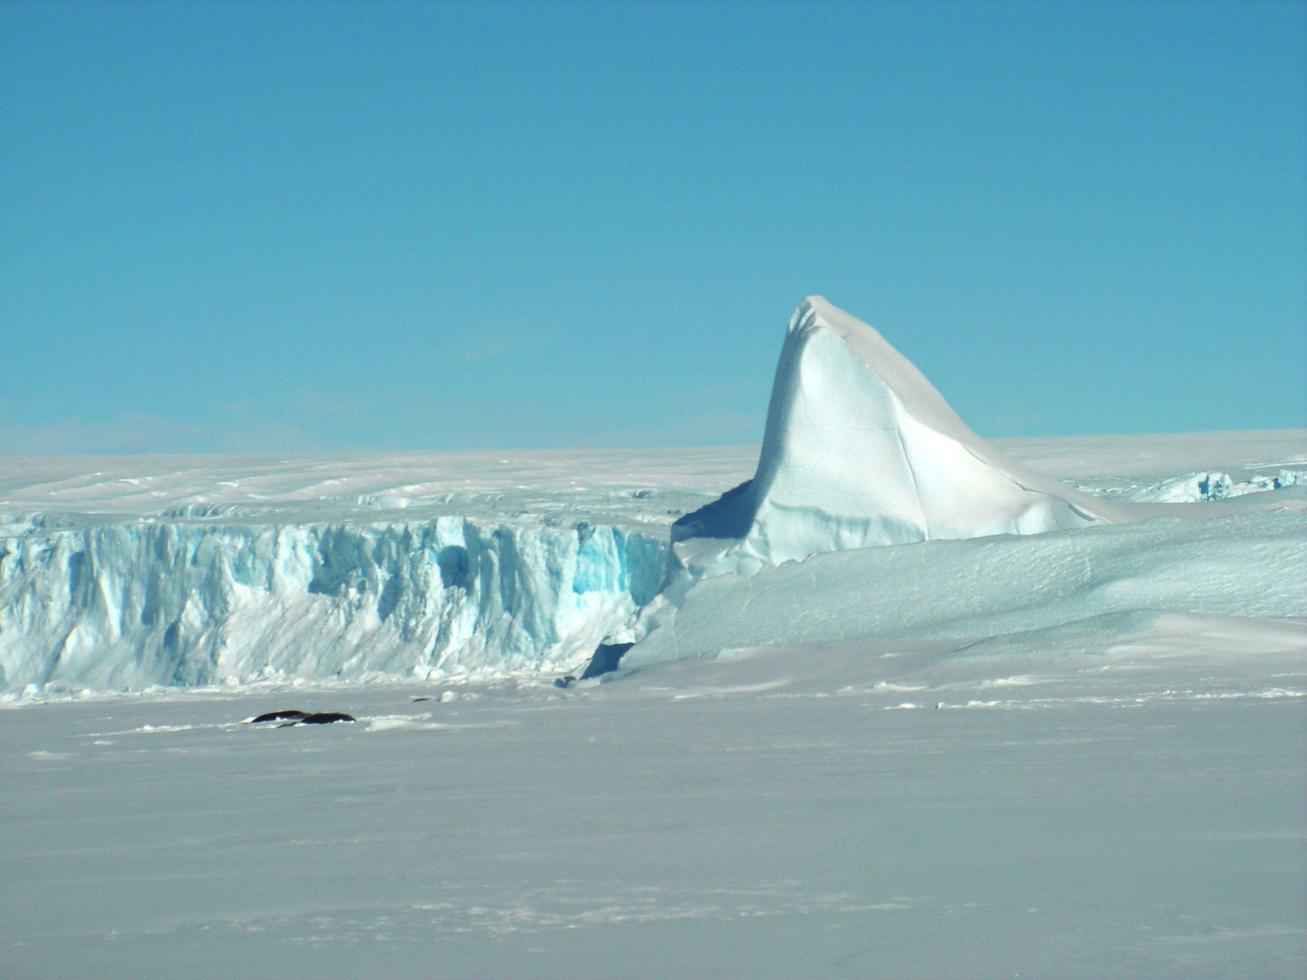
(495, 350)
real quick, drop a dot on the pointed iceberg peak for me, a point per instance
(860, 450)
(816, 313)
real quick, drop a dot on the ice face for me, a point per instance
(131, 604)
(860, 450)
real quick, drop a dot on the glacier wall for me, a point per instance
(132, 604)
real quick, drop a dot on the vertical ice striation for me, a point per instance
(130, 604)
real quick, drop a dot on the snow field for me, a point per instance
(1071, 754)
(767, 815)
(980, 751)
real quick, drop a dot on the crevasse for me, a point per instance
(127, 605)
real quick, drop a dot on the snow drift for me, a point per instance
(860, 450)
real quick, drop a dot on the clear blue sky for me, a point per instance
(310, 227)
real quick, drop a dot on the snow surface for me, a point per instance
(972, 753)
(1092, 583)
(1127, 801)
(1070, 754)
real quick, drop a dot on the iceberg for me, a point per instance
(860, 450)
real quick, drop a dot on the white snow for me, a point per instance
(976, 752)
(1066, 587)
(1132, 811)
(1069, 754)
(860, 450)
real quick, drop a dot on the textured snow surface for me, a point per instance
(1049, 808)
(1068, 586)
(1073, 754)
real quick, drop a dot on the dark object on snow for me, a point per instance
(605, 659)
(280, 716)
(295, 717)
(423, 697)
(567, 681)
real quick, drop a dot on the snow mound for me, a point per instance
(860, 450)
(1021, 594)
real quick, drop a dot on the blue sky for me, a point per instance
(310, 227)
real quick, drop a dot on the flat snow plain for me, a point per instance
(1089, 761)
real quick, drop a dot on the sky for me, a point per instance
(307, 228)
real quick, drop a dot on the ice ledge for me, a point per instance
(128, 605)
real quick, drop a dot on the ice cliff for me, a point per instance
(860, 450)
(179, 602)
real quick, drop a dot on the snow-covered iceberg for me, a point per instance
(860, 450)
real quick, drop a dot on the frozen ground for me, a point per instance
(1072, 754)
(785, 814)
